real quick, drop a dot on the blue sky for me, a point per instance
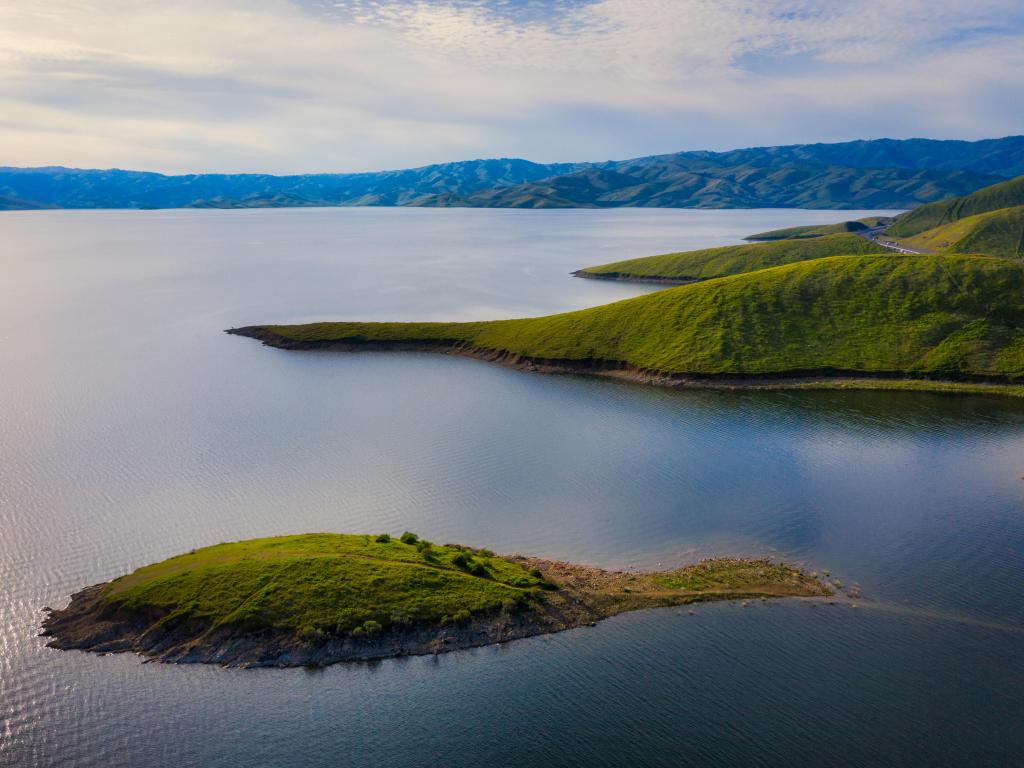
(311, 85)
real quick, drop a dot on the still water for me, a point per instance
(132, 429)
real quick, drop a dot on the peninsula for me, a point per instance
(318, 599)
(935, 321)
(709, 263)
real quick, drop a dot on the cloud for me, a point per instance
(269, 85)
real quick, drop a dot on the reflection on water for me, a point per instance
(132, 429)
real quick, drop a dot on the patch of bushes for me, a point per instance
(409, 538)
(371, 627)
(425, 548)
(384, 538)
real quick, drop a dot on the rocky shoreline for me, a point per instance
(813, 379)
(584, 596)
(625, 277)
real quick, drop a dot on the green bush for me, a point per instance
(384, 538)
(409, 538)
(371, 627)
(461, 617)
(460, 561)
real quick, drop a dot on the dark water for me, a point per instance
(131, 429)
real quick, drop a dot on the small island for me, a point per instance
(318, 599)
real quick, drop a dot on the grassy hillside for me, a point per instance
(998, 233)
(1007, 194)
(732, 259)
(942, 316)
(815, 230)
(327, 582)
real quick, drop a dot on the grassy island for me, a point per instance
(690, 266)
(323, 598)
(880, 317)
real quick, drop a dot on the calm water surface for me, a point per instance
(131, 429)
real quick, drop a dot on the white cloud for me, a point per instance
(277, 86)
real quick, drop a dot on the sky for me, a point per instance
(293, 86)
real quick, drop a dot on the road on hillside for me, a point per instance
(872, 234)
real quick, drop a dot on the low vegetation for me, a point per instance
(689, 266)
(931, 316)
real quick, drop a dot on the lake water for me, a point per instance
(132, 429)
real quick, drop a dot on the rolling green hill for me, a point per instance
(1007, 194)
(813, 230)
(939, 316)
(731, 259)
(997, 233)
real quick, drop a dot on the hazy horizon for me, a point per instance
(279, 87)
(342, 172)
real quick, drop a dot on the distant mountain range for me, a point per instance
(882, 173)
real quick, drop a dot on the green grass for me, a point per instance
(324, 583)
(820, 230)
(941, 316)
(997, 233)
(712, 576)
(734, 259)
(1007, 194)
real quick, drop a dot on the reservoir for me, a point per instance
(132, 429)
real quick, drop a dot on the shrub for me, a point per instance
(535, 572)
(485, 553)
(461, 617)
(371, 627)
(358, 632)
(460, 561)
(409, 538)
(478, 569)
(384, 538)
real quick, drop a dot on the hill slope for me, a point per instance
(815, 230)
(1006, 194)
(953, 317)
(997, 233)
(731, 259)
(880, 173)
(74, 188)
(685, 181)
